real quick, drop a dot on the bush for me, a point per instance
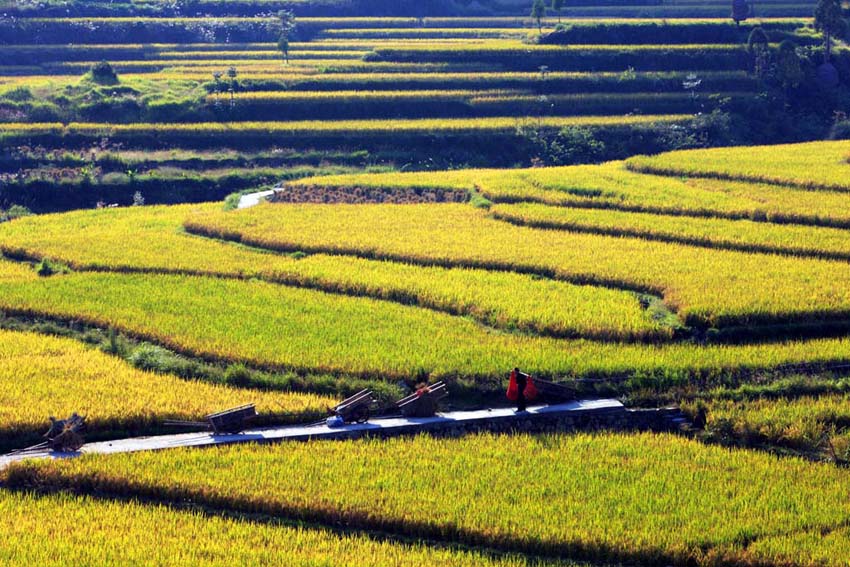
(14, 212)
(19, 94)
(47, 267)
(840, 131)
(577, 145)
(238, 375)
(155, 358)
(103, 74)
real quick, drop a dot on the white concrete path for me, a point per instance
(253, 199)
(395, 425)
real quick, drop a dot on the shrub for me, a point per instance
(238, 375)
(14, 212)
(47, 267)
(19, 94)
(103, 73)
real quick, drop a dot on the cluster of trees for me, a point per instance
(538, 11)
(787, 65)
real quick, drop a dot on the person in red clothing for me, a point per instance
(521, 389)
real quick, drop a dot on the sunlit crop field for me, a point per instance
(428, 226)
(98, 241)
(655, 498)
(161, 535)
(376, 127)
(43, 376)
(813, 166)
(461, 235)
(613, 186)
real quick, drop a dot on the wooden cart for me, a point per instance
(233, 420)
(357, 408)
(230, 421)
(66, 435)
(423, 402)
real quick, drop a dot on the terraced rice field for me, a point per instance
(161, 535)
(652, 498)
(437, 86)
(35, 371)
(415, 236)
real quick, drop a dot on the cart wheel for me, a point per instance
(67, 441)
(360, 415)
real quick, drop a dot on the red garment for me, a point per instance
(513, 388)
(530, 389)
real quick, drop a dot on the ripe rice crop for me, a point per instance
(712, 233)
(560, 82)
(235, 56)
(161, 535)
(284, 328)
(351, 97)
(100, 240)
(817, 166)
(639, 498)
(307, 127)
(707, 287)
(518, 56)
(315, 133)
(614, 187)
(42, 376)
(585, 103)
(798, 423)
(427, 33)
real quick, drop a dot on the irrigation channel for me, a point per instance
(580, 414)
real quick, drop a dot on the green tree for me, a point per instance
(558, 5)
(287, 27)
(283, 46)
(103, 74)
(740, 11)
(789, 67)
(758, 47)
(829, 20)
(538, 12)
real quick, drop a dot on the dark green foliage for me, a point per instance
(18, 94)
(538, 12)
(238, 375)
(102, 73)
(47, 267)
(14, 212)
(568, 146)
(154, 358)
(789, 67)
(740, 10)
(829, 20)
(758, 47)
